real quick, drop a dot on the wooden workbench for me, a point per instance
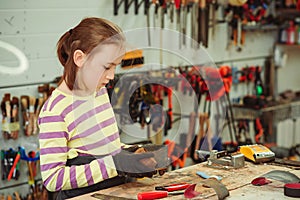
(237, 181)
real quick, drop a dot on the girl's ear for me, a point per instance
(79, 58)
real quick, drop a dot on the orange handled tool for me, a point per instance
(17, 158)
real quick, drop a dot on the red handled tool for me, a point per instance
(173, 187)
(16, 160)
(156, 195)
(164, 191)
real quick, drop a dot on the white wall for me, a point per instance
(34, 27)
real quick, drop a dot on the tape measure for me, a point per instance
(257, 153)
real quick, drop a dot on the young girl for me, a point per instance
(80, 148)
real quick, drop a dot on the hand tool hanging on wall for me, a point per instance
(226, 74)
(147, 100)
(6, 113)
(116, 6)
(184, 21)
(10, 164)
(259, 131)
(15, 126)
(31, 168)
(128, 3)
(178, 23)
(12, 172)
(258, 84)
(255, 10)
(163, 10)
(10, 117)
(259, 93)
(238, 35)
(3, 165)
(195, 82)
(25, 113)
(182, 76)
(219, 116)
(203, 140)
(171, 5)
(134, 101)
(147, 8)
(243, 128)
(31, 115)
(155, 15)
(212, 8)
(236, 24)
(202, 21)
(169, 119)
(194, 23)
(191, 131)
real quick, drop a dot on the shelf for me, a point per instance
(259, 27)
(287, 13)
(288, 47)
(278, 112)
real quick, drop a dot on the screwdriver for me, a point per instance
(156, 194)
(173, 187)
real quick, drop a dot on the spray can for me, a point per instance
(291, 33)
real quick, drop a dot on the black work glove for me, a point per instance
(128, 163)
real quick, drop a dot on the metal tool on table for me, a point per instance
(257, 153)
(223, 159)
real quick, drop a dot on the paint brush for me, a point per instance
(6, 128)
(15, 126)
(42, 92)
(25, 113)
(31, 114)
(4, 120)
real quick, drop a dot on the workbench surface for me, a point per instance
(237, 181)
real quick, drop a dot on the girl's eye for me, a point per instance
(105, 67)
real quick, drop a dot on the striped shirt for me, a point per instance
(76, 126)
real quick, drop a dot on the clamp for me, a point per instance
(225, 160)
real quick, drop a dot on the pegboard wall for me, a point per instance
(34, 27)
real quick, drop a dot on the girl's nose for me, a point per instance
(110, 74)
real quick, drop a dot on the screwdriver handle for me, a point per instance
(152, 195)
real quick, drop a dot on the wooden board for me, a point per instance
(237, 181)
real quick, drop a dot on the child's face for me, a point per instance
(100, 66)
